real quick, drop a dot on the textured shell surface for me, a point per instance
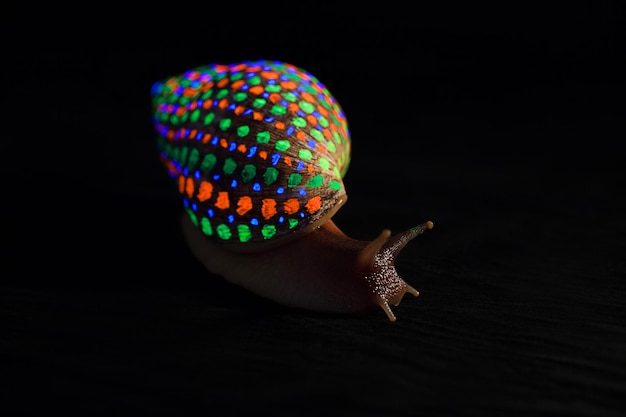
(257, 149)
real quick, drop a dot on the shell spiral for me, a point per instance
(257, 149)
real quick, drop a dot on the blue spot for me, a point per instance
(300, 166)
(269, 119)
(185, 202)
(231, 218)
(280, 190)
(254, 222)
(302, 192)
(247, 112)
(271, 82)
(317, 114)
(194, 206)
(214, 141)
(187, 131)
(311, 143)
(265, 95)
(216, 177)
(195, 84)
(284, 77)
(290, 130)
(232, 146)
(197, 175)
(186, 172)
(281, 219)
(284, 103)
(256, 186)
(267, 68)
(200, 103)
(301, 113)
(245, 87)
(210, 213)
(275, 158)
(232, 106)
(251, 151)
(179, 91)
(301, 87)
(233, 184)
(302, 214)
(250, 75)
(215, 103)
(199, 136)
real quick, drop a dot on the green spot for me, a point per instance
(195, 115)
(271, 174)
(192, 217)
(263, 137)
(223, 231)
(336, 137)
(164, 117)
(205, 225)
(331, 146)
(278, 109)
(229, 166)
(225, 123)
(316, 181)
(299, 122)
(174, 119)
(207, 94)
(268, 231)
(259, 102)
(248, 172)
(208, 162)
(293, 223)
(272, 88)
(316, 134)
(306, 107)
(290, 97)
(324, 163)
(254, 81)
(184, 117)
(282, 145)
(183, 155)
(236, 76)
(208, 119)
(243, 131)
(305, 154)
(183, 101)
(243, 230)
(334, 184)
(336, 172)
(323, 121)
(194, 157)
(240, 97)
(294, 180)
(221, 94)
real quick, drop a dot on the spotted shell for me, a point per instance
(258, 149)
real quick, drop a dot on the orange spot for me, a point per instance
(192, 134)
(221, 83)
(301, 136)
(223, 143)
(207, 104)
(257, 89)
(237, 84)
(206, 137)
(289, 85)
(180, 111)
(194, 75)
(308, 97)
(287, 160)
(310, 168)
(239, 67)
(207, 86)
(239, 110)
(189, 187)
(244, 205)
(181, 184)
(322, 110)
(327, 134)
(170, 134)
(221, 68)
(257, 116)
(270, 75)
(311, 119)
(222, 200)
(263, 154)
(223, 103)
(320, 148)
(314, 204)
(280, 125)
(254, 69)
(291, 206)
(190, 92)
(268, 209)
(242, 148)
(293, 107)
(274, 97)
(205, 191)
(193, 105)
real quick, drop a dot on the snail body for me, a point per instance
(258, 150)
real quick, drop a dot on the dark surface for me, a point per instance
(504, 132)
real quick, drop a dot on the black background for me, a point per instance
(503, 126)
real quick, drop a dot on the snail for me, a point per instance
(258, 150)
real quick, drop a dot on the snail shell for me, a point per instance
(258, 150)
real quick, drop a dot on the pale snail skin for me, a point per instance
(267, 116)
